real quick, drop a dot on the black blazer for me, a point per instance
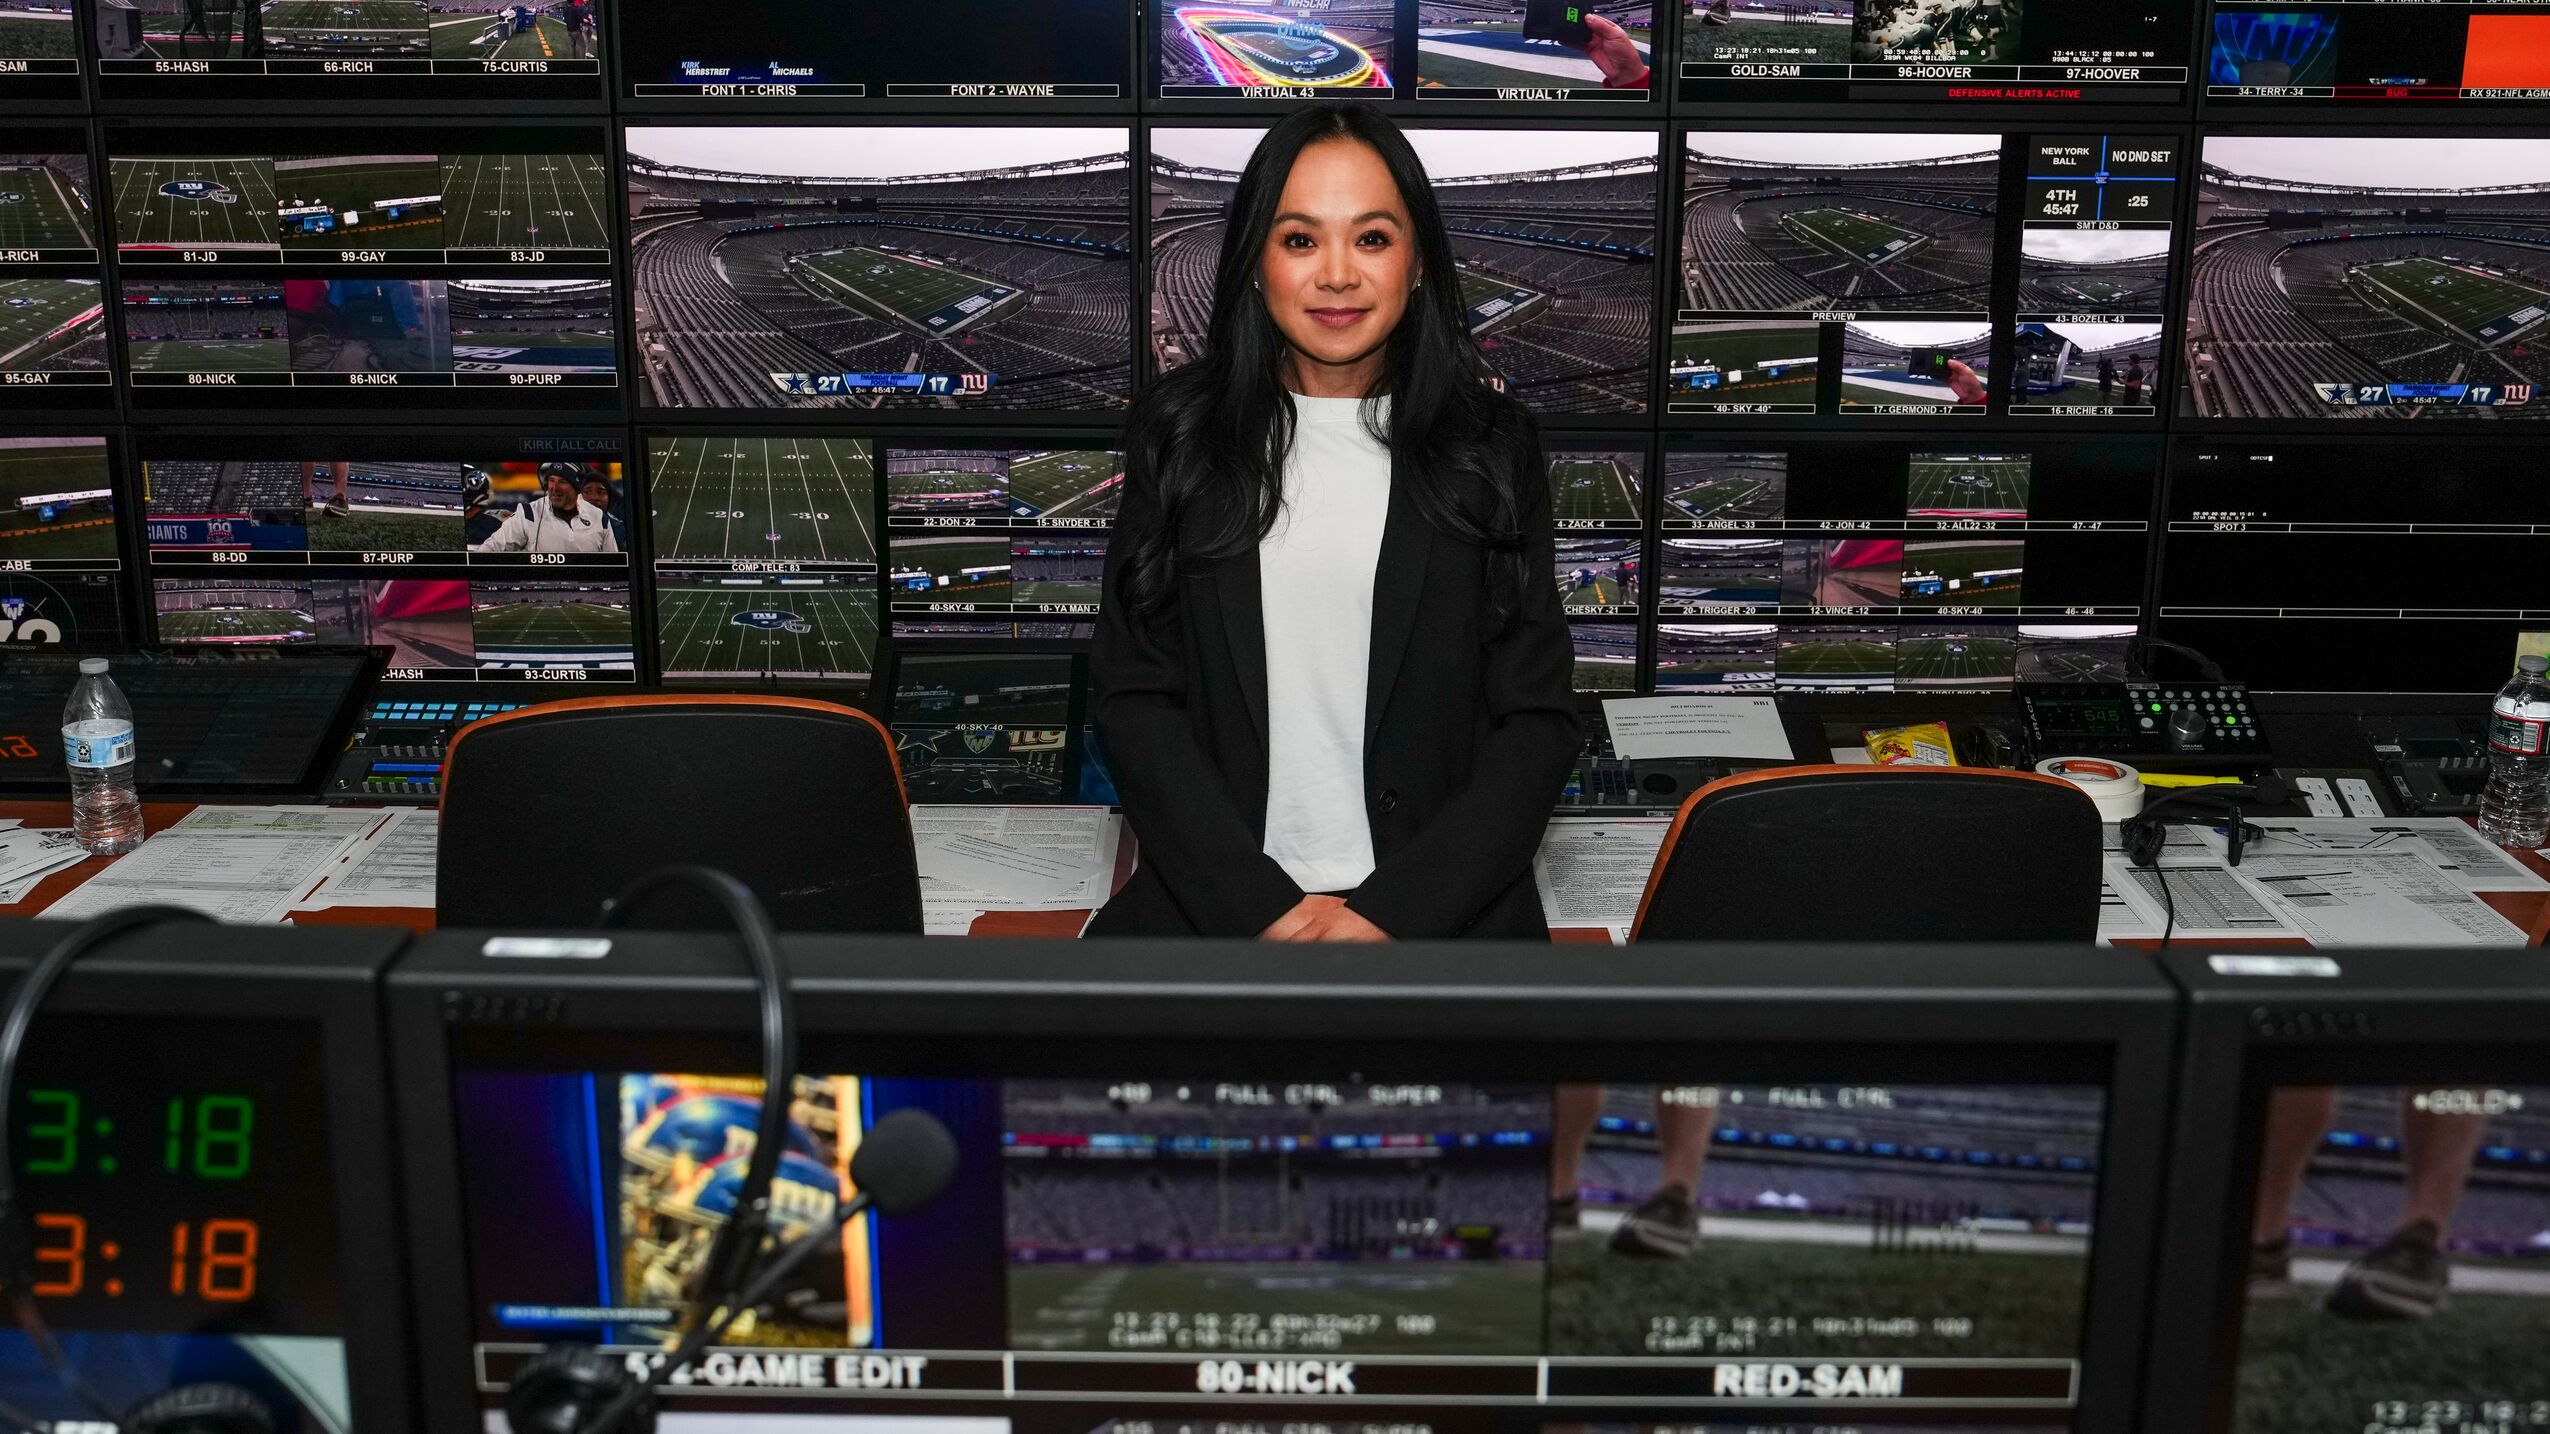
(1468, 736)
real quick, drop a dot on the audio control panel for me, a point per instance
(2185, 724)
(396, 757)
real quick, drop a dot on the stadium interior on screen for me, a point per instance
(883, 267)
(2374, 278)
(1923, 1242)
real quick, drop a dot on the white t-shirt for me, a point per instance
(1316, 572)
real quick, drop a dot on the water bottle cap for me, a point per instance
(2532, 664)
(92, 666)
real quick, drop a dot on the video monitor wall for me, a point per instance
(491, 55)
(999, 544)
(1942, 52)
(491, 559)
(401, 270)
(977, 54)
(888, 269)
(1945, 276)
(2368, 278)
(1830, 565)
(53, 334)
(1701, 1255)
(1554, 233)
(62, 578)
(2279, 553)
(2268, 55)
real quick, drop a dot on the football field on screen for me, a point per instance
(777, 499)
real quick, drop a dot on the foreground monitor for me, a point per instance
(1746, 1194)
(2360, 1197)
(202, 1149)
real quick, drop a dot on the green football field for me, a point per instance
(1736, 491)
(2024, 1306)
(1592, 489)
(1956, 566)
(208, 355)
(1836, 657)
(1941, 661)
(815, 632)
(525, 201)
(1600, 592)
(353, 27)
(1421, 1306)
(503, 630)
(1864, 237)
(233, 624)
(77, 530)
(2304, 1371)
(38, 211)
(31, 309)
(37, 37)
(360, 187)
(2485, 308)
(1068, 483)
(234, 207)
(1949, 485)
(484, 37)
(1741, 355)
(765, 499)
(1605, 671)
(894, 287)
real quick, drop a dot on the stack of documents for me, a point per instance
(978, 859)
(244, 865)
(30, 854)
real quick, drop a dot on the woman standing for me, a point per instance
(1332, 673)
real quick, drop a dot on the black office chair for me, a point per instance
(1846, 853)
(552, 810)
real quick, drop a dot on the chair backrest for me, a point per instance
(1851, 853)
(551, 810)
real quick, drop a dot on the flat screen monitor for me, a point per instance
(498, 559)
(53, 335)
(1764, 1233)
(1962, 53)
(2297, 566)
(1829, 564)
(765, 557)
(993, 55)
(408, 270)
(2358, 1197)
(923, 271)
(2367, 279)
(2275, 56)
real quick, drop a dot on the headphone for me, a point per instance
(2146, 833)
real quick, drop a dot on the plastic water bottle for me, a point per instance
(97, 743)
(2515, 810)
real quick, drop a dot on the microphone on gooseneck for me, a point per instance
(902, 1164)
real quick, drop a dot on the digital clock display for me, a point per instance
(175, 1172)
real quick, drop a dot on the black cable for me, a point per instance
(17, 1264)
(735, 1246)
(2168, 906)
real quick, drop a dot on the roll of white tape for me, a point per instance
(2115, 787)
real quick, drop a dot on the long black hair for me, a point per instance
(1208, 440)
